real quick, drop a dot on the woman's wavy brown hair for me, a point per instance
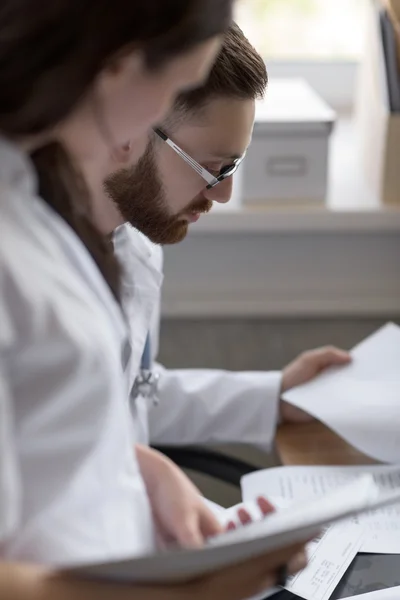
(50, 54)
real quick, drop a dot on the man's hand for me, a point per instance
(303, 369)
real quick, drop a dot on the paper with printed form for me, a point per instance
(329, 554)
(361, 401)
(293, 484)
(329, 558)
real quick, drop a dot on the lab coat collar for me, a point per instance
(138, 255)
(142, 277)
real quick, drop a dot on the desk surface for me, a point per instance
(314, 444)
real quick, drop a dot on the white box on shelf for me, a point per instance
(287, 160)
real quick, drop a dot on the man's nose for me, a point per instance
(221, 193)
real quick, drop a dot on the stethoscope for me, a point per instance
(146, 383)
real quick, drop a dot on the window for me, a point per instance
(304, 29)
(320, 40)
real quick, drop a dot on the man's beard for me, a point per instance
(140, 198)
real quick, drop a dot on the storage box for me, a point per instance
(288, 158)
(378, 128)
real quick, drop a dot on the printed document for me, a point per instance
(293, 484)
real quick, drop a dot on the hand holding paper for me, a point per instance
(304, 369)
(283, 529)
(361, 401)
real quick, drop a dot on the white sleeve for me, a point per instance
(9, 475)
(209, 406)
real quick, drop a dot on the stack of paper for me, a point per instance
(296, 523)
(294, 484)
(361, 401)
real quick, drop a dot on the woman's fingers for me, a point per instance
(245, 517)
(265, 506)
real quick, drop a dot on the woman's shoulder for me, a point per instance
(41, 286)
(27, 243)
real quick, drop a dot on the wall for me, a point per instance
(255, 344)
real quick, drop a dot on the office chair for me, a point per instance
(208, 462)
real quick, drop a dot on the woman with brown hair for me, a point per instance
(71, 488)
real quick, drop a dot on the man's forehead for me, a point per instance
(227, 143)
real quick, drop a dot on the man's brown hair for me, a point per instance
(239, 72)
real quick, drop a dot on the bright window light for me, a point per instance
(304, 29)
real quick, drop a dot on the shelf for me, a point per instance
(349, 206)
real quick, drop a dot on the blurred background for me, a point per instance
(304, 29)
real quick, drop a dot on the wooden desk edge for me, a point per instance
(315, 444)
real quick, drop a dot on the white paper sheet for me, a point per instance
(298, 483)
(297, 523)
(329, 558)
(218, 510)
(329, 555)
(361, 401)
(388, 594)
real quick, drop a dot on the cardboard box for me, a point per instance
(378, 128)
(288, 158)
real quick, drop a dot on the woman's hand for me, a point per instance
(182, 517)
(179, 512)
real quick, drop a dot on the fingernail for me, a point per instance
(264, 505)
(244, 516)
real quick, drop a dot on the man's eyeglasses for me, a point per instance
(212, 180)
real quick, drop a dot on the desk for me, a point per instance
(314, 444)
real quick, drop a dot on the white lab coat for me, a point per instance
(197, 406)
(70, 486)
